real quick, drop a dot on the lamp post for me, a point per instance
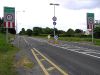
(17, 25)
(54, 18)
(17, 21)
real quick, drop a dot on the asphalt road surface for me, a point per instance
(73, 58)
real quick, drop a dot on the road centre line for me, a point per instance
(58, 68)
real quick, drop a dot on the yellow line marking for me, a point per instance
(58, 68)
(51, 68)
(42, 59)
(41, 65)
(37, 54)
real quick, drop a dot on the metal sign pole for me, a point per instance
(7, 35)
(54, 25)
(90, 24)
(9, 19)
(54, 30)
(92, 35)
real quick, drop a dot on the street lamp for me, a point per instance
(54, 18)
(17, 21)
(17, 25)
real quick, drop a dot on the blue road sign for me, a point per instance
(54, 23)
(56, 37)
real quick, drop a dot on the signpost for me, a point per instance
(90, 23)
(9, 19)
(54, 23)
(56, 37)
(54, 18)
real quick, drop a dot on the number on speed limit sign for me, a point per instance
(90, 20)
(9, 17)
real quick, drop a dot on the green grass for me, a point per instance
(97, 42)
(41, 37)
(75, 39)
(7, 52)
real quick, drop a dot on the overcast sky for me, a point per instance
(70, 13)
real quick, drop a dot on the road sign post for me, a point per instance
(9, 19)
(56, 39)
(54, 18)
(90, 23)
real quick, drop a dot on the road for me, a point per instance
(72, 58)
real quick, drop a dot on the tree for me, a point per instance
(97, 32)
(0, 21)
(29, 32)
(46, 30)
(22, 32)
(70, 32)
(61, 32)
(2, 29)
(37, 30)
(78, 31)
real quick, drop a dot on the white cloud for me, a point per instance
(80, 4)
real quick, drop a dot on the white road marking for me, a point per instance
(85, 51)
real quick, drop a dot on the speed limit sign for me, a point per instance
(9, 17)
(90, 20)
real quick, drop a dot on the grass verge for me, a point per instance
(7, 52)
(24, 62)
(76, 39)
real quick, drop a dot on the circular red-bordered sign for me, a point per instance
(54, 18)
(9, 17)
(90, 20)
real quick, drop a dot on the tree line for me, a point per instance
(39, 31)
